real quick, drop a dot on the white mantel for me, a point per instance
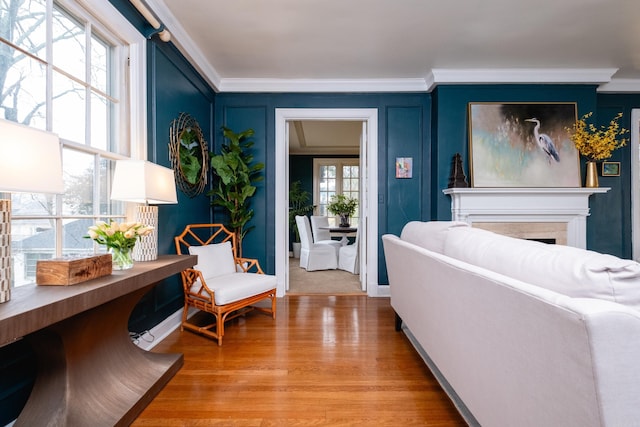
(509, 205)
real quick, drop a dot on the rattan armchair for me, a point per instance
(220, 283)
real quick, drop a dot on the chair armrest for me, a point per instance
(190, 277)
(249, 265)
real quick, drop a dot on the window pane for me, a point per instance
(100, 107)
(32, 204)
(99, 61)
(26, 31)
(68, 109)
(69, 44)
(31, 240)
(108, 206)
(74, 242)
(78, 182)
(24, 90)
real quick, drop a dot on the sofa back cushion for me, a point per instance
(214, 260)
(570, 271)
(429, 235)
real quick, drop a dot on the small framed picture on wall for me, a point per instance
(610, 168)
(404, 167)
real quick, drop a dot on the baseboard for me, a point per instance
(150, 338)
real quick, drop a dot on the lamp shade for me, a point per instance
(141, 181)
(30, 160)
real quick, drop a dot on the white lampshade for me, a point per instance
(30, 160)
(141, 181)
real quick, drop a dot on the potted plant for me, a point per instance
(236, 174)
(298, 205)
(343, 206)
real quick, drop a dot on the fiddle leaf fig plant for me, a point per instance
(235, 174)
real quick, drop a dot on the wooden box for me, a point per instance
(70, 271)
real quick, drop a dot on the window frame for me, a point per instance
(128, 79)
(339, 162)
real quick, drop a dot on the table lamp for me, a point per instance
(140, 181)
(30, 162)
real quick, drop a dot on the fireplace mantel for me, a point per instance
(534, 205)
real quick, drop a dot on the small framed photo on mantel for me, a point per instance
(610, 168)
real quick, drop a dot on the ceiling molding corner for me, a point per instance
(185, 43)
(523, 75)
(620, 86)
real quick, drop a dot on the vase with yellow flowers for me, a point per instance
(596, 144)
(119, 238)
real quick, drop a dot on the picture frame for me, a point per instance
(404, 167)
(610, 168)
(504, 151)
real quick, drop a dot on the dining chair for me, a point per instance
(349, 259)
(321, 233)
(314, 256)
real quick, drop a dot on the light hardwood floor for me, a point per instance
(324, 361)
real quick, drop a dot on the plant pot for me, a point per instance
(344, 221)
(296, 249)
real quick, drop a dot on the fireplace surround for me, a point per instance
(538, 213)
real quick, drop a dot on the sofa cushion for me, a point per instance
(571, 271)
(429, 235)
(215, 259)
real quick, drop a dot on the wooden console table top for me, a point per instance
(34, 307)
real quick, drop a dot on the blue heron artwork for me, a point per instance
(523, 145)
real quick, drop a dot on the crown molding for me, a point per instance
(323, 85)
(596, 76)
(185, 44)
(620, 86)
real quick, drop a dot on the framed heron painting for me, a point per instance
(523, 145)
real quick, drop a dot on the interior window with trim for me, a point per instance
(65, 72)
(335, 176)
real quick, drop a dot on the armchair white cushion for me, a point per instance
(218, 267)
(314, 256)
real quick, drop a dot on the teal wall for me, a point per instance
(403, 131)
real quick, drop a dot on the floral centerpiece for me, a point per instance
(596, 144)
(120, 238)
(342, 206)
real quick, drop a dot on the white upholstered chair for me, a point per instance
(220, 283)
(349, 259)
(314, 256)
(322, 236)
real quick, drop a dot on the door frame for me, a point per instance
(370, 117)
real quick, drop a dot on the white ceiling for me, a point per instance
(411, 45)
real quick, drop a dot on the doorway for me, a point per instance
(369, 212)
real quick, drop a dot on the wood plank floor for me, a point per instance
(325, 361)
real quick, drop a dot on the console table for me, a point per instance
(89, 370)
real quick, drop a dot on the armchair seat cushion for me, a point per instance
(237, 286)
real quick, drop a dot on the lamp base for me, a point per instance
(5, 250)
(146, 248)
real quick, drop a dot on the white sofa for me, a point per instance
(520, 333)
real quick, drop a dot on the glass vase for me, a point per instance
(121, 258)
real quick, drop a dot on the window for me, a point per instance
(335, 176)
(64, 71)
